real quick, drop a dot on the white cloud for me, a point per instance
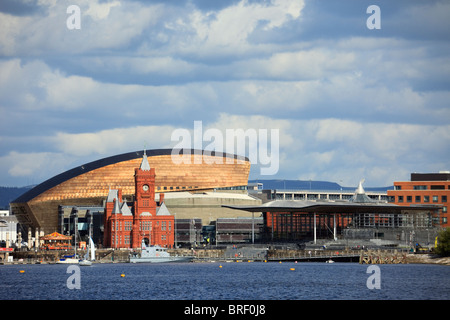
(112, 141)
(351, 104)
(305, 64)
(324, 149)
(349, 150)
(228, 30)
(70, 150)
(104, 25)
(35, 165)
(100, 11)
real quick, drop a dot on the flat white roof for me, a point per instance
(217, 195)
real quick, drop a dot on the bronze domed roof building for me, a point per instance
(89, 184)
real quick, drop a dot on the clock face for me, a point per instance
(145, 187)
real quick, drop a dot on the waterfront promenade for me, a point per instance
(247, 254)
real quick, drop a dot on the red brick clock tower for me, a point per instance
(144, 204)
(126, 228)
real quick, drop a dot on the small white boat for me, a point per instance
(87, 261)
(68, 260)
(329, 261)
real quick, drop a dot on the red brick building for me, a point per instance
(146, 219)
(424, 189)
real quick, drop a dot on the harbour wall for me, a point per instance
(243, 254)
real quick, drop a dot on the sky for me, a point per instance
(349, 102)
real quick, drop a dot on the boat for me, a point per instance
(68, 260)
(329, 261)
(156, 254)
(87, 261)
(73, 259)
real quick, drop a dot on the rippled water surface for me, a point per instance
(237, 281)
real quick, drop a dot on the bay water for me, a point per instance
(224, 281)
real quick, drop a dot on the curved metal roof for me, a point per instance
(330, 207)
(60, 178)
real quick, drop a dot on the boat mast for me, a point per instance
(88, 212)
(75, 214)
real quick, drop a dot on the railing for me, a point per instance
(310, 254)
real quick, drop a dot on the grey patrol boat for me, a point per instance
(156, 254)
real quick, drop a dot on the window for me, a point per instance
(408, 198)
(444, 209)
(397, 187)
(302, 197)
(435, 198)
(147, 226)
(444, 198)
(128, 225)
(437, 187)
(400, 198)
(417, 198)
(420, 187)
(426, 198)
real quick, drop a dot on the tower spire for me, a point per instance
(145, 166)
(360, 189)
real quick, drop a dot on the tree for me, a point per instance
(443, 247)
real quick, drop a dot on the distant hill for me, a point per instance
(8, 194)
(280, 184)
